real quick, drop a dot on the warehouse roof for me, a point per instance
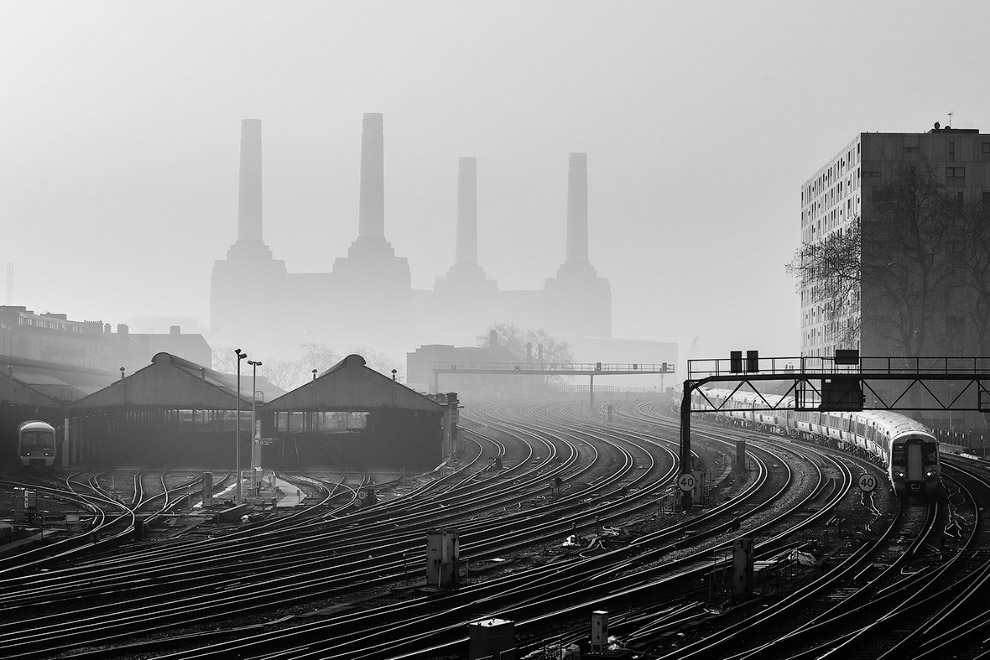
(176, 383)
(352, 385)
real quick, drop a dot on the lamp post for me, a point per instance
(10, 385)
(254, 399)
(312, 415)
(237, 429)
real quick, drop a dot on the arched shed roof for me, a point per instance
(22, 394)
(173, 382)
(352, 385)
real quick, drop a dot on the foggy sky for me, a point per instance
(121, 126)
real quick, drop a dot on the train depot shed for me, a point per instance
(171, 413)
(21, 402)
(353, 418)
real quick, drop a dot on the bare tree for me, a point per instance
(830, 272)
(224, 360)
(902, 247)
(976, 265)
(382, 363)
(286, 374)
(890, 259)
(515, 339)
(317, 356)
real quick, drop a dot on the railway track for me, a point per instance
(334, 579)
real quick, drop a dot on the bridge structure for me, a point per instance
(590, 369)
(844, 382)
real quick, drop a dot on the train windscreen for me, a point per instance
(915, 470)
(37, 440)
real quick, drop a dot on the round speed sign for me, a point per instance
(867, 482)
(686, 482)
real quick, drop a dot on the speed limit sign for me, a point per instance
(867, 482)
(686, 482)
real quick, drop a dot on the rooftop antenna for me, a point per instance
(950, 118)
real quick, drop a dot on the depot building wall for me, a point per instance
(391, 440)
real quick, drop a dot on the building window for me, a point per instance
(911, 150)
(952, 151)
(870, 174)
(986, 150)
(955, 173)
(986, 198)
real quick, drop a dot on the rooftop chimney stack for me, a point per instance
(10, 283)
(371, 216)
(467, 210)
(249, 198)
(577, 208)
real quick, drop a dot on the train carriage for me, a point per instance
(36, 443)
(908, 452)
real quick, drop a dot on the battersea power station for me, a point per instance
(367, 298)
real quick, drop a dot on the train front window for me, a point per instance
(37, 440)
(899, 454)
(930, 452)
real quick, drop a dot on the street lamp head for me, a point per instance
(254, 363)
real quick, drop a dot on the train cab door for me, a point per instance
(915, 466)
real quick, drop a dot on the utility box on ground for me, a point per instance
(599, 630)
(442, 558)
(492, 638)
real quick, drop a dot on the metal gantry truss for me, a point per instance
(811, 384)
(590, 369)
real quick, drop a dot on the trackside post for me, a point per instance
(686, 463)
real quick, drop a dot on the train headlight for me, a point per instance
(931, 473)
(898, 474)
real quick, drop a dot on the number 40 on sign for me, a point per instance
(867, 482)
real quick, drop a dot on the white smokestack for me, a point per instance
(577, 208)
(249, 198)
(467, 211)
(371, 216)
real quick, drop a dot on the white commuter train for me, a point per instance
(907, 450)
(36, 443)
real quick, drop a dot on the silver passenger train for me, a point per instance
(905, 448)
(36, 443)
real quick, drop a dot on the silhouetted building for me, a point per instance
(55, 339)
(367, 298)
(861, 188)
(919, 203)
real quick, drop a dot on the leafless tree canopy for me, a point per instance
(830, 272)
(902, 246)
(909, 250)
(289, 374)
(509, 335)
(976, 237)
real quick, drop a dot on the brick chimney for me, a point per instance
(249, 196)
(467, 211)
(371, 216)
(577, 208)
